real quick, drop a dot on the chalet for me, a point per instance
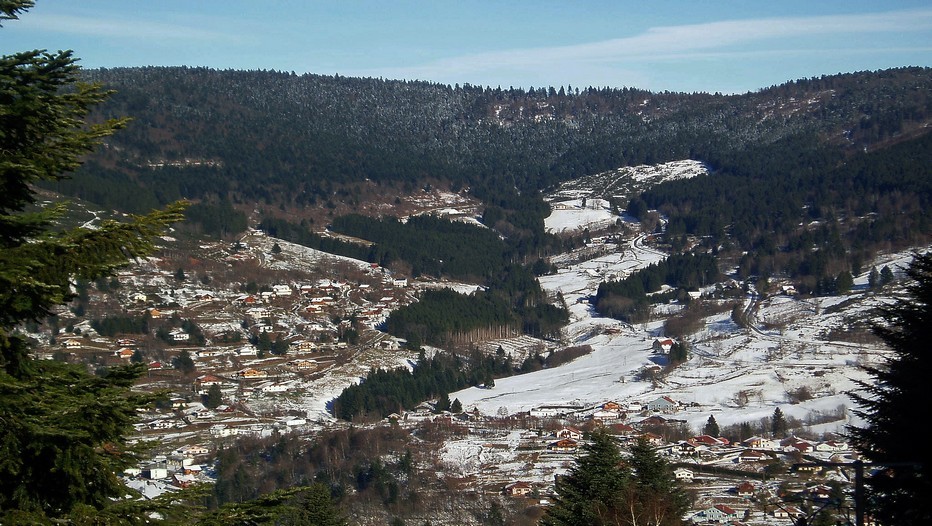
(304, 345)
(789, 512)
(793, 444)
(182, 480)
(281, 291)
(565, 445)
(192, 450)
(273, 388)
(247, 350)
(832, 446)
(125, 353)
(251, 373)
(206, 381)
(717, 513)
(611, 406)
(709, 441)
(304, 365)
(518, 489)
(258, 313)
(745, 489)
(72, 343)
(620, 429)
(663, 404)
(662, 346)
(686, 475)
(604, 415)
(155, 314)
(653, 421)
(568, 432)
(750, 455)
(155, 365)
(400, 282)
(761, 443)
(652, 438)
(686, 447)
(178, 335)
(550, 411)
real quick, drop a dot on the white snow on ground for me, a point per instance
(737, 375)
(573, 216)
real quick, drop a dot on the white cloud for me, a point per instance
(118, 28)
(711, 40)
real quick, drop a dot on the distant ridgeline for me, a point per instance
(845, 156)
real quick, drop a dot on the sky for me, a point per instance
(710, 46)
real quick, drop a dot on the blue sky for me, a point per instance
(695, 45)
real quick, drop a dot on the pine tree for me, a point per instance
(589, 495)
(653, 496)
(873, 279)
(63, 433)
(900, 494)
(886, 276)
(456, 407)
(778, 424)
(711, 427)
(214, 397)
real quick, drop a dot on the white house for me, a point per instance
(686, 475)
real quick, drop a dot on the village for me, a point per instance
(249, 360)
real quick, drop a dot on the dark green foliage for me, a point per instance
(214, 397)
(384, 392)
(899, 495)
(873, 278)
(440, 314)
(114, 325)
(456, 407)
(627, 299)
(711, 427)
(432, 245)
(183, 363)
(778, 425)
(679, 352)
(63, 431)
(603, 488)
(216, 219)
(886, 276)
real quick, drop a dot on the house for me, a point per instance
(686, 475)
(565, 445)
(304, 365)
(750, 455)
(652, 439)
(247, 350)
(568, 432)
(606, 415)
(156, 472)
(832, 446)
(611, 406)
(662, 346)
(206, 381)
(282, 291)
(179, 335)
(663, 404)
(620, 429)
(304, 345)
(745, 489)
(518, 489)
(761, 443)
(125, 353)
(709, 441)
(72, 343)
(717, 513)
(252, 373)
(789, 512)
(793, 444)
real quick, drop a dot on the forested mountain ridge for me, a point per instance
(298, 140)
